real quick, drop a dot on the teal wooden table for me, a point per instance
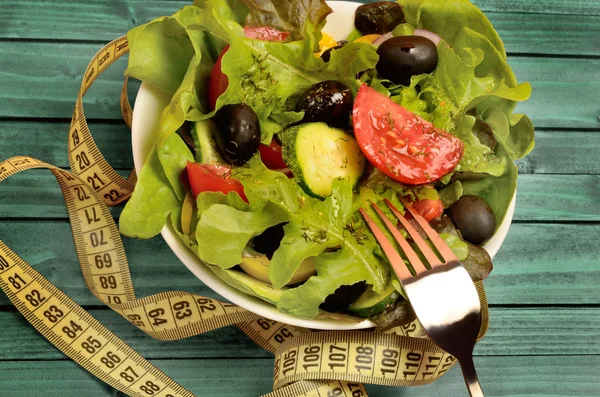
(544, 337)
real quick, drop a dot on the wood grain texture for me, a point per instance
(565, 198)
(526, 270)
(47, 140)
(523, 32)
(568, 152)
(564, 90)
(518, 332)
(501, 376)
(547, 264)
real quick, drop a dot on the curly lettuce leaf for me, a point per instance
(451, 193)
(152, 201)
(497, 191)
(352, 264)
(249, 285)
(448, 17)
(287, 16)
(270, 76)
(317, 227)
(174, 155)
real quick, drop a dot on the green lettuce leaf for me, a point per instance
(458, 246)
(344, 267)
(451, 194)
(160, 53)
(174, 155)
(226, 224)
(249, 285)
(516, 133)
(287, 16)
(317, 227)
(497, 191)
(152, 201)
(448, 17)
(270, 76)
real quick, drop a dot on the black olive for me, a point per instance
(239, 133)
(474, 218)
(268, 242)
(326, 56)
(379, 18)
(330, 102)
(343, 297)
(402, 57)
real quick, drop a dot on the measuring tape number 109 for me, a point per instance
(315, 364)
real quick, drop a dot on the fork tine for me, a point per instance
(393, 256)
(434, 237)
(411, 255)
(432, 258)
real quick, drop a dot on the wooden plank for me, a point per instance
(570, 376)
(515, 332)
(563, 153)
(559, 84)
(576, 7)
(48, 89)
(47, 140)
(547, 264)
(523, 33)
(35, 194)
(526, 270)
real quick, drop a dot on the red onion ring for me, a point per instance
(383, 38)
(428, 35)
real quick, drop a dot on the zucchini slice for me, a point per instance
(318, 154)
(370, 303)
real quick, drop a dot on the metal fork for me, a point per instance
(443, 297)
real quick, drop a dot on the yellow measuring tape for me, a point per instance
(315, 364)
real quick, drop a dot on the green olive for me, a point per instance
(474, 218)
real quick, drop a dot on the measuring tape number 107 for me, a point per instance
(315, 364)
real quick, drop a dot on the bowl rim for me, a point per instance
(149, 104)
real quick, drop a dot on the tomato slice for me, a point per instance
(429, 209)
(213, 178)
(401, 144)
(218, 81)
(272, 155)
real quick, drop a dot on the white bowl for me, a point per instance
(148, 106)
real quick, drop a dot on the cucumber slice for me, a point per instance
(206, 149)
(370, 303)
(318, 154)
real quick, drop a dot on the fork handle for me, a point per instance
(470, 375)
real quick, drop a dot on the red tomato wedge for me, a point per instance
(429, 209)
(218, 81)
(401, 144)
(213, 178)
(272, 156)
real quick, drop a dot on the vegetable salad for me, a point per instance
(276, 135)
